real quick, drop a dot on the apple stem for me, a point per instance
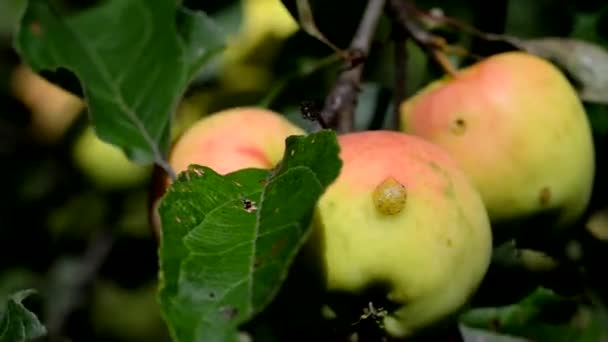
(340, 104)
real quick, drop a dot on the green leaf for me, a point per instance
(133, 58)
(228, 241)
(542, 316)
(17, 323)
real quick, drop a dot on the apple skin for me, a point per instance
(234, 139)
(517, 127)
(431, 246)
(106, 165)
(53, 108)
(226, 141)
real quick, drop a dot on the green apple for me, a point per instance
(106, 165)
(402, 214)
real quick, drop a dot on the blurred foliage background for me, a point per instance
(74, 210)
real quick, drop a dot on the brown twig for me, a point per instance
(464, 27)
(96, 253)
(339, 108)
(402, 11)
(401, 59)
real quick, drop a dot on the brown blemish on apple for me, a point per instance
(389, 197)
(545, 196)
(459, 126)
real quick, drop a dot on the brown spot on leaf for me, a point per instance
(35, 28)
(545, 196)
(249, 205)
(278, 247)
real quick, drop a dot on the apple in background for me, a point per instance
(517, 127)
(402, 215)
(246, 63)
(106, 165)
(227, 141)
(53, 108)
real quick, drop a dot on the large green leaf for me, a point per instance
(133, 58)
(17, 323)
(228, 241)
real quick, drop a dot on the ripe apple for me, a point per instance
(234, 139)
(401, 214)
(516, 126)
(227, 141)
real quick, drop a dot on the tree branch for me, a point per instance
(340, 104)
(403, 12)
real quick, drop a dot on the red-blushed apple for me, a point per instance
(234, 139)
(403, 214)
(227, 141)
(517, 127)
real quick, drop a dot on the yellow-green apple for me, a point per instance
(229, 140)
(516, 126)
(106, 165)
(247, 59)
(401, 214)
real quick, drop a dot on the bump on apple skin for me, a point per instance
(430, 255)
(517, 127)
(226, 141)
(389, 197)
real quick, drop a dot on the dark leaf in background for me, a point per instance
(228, 241)
(541, 316)
(132, 60)
(17, 323)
